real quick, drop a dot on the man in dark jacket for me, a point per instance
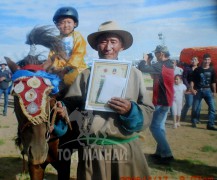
(203, 86)
(5, 78)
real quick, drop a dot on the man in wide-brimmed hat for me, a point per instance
(5, 78)
(115, 133)
(110, 27)
(112, 32)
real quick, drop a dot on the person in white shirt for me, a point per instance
(177, 71)
(179, 89)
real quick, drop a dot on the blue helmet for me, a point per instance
(66, 12)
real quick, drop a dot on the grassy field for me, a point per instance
(194, 149)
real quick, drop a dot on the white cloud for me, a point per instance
(142, 19)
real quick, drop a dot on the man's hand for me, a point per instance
(146, 59)
(194, 92)
(120, 105)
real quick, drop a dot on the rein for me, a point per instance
(51, 125)
(55, 109)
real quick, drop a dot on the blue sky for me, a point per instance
(184, 23)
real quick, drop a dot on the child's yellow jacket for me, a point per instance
(76, 60)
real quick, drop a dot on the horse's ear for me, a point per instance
(11, 64)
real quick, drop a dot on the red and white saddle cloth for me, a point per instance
(33, 97)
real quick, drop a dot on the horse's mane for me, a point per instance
(29, 60)
(45, 36)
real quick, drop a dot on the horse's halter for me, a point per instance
(27, 124)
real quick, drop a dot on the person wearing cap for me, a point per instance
(114, 133)
(163, 93)
(66, 20)
(5, 79)
(203, 86)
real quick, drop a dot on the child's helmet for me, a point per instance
(66, 12)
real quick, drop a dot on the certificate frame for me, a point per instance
(100, 68)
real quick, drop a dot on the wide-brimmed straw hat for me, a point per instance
(110, 27)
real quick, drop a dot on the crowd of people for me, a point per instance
(172, 86)
(192, 83)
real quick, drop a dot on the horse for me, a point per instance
(36, 110)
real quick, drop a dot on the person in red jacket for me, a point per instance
(163, 93)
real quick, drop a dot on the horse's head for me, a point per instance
(33, 138)
(31, 89)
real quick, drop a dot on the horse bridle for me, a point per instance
(28, 124)
(50, 121)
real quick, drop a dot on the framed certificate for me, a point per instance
(108, 79)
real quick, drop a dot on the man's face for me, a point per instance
(159, 55)
(109, 45)
(206, 61)
(3, 66)
(194, 61)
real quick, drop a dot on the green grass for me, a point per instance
(208, 148)
(22, 176)
(213, 135)
(4, 126)
(191, 167)
(196, 162)
(148, 81)
(49, 168)
(2, 142)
